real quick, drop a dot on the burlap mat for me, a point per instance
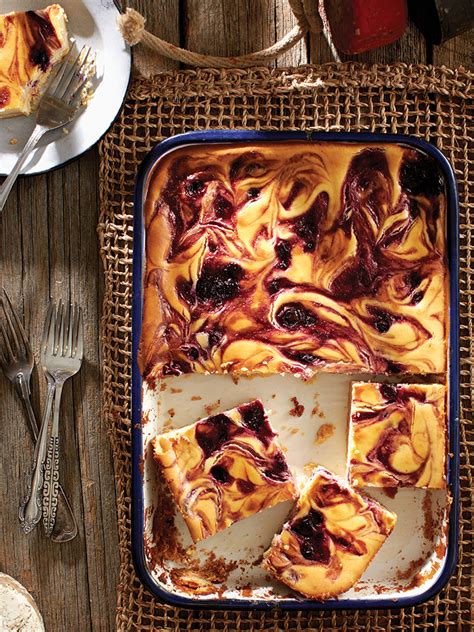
(432, 103)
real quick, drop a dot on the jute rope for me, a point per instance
(131, 24)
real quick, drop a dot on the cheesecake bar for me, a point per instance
(294, 257)
(31, 43)
(397, 435)
(330, 539)
(224, 468)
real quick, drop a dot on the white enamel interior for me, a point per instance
(406, 548)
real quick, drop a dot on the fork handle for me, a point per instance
(31, 510)
(65, 526)
(7, 185)
(51, 469)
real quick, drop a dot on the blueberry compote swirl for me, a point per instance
(398, 435)
(224, 468)
(295, 257)
(327, 544)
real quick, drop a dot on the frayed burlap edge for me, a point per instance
(427, 102)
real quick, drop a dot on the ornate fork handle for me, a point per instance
(30, 510)
(51, 485)
(51, 471)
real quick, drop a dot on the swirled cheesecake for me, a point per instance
(294, 257)
(31, 43)
(330, 539)
(397, 435)
(224, 468)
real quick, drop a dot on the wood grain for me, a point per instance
(49, 247)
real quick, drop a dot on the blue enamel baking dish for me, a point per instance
(367, 599)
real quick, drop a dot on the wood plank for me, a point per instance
(238, 27)
(458, 51)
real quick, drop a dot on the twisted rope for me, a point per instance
(131, 24)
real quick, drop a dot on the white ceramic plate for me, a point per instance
(91, 22)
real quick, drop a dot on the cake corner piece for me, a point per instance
(224, 468)
(397, 435)
(323, 551)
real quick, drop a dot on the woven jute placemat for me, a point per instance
(432, 103)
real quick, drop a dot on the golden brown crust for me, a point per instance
(224, 468)
(31, 43)
(397, 435)
(292, 257)
(332, 536)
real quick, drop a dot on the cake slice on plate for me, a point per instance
(224, 468)
(397, 435)
(31, 44)
(330, 539)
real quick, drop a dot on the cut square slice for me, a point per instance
(397, 435)
(224, 468)
(330, 539)
(31, 43)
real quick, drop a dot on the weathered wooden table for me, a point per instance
(49, 247)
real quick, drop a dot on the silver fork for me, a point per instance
(57, 107)
(16, 360)
(61, 358)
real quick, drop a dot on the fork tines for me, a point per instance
(62, 334)
(15, 342)
(71, 78)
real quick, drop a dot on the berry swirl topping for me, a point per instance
(330, 539)
(292, 257)
(224, 468)
(398, 435)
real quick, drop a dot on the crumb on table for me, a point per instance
(13, 141)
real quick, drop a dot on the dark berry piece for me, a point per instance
(194, 187)
(420, 174)
(307, 226)
(220, 474)
(275, 285)
(383, 320)
(223, 207)
(185, 289)
(215, 336)
(316, 549)
(39, 56)
(389, 392)
(413, 279)
(283, 253)
(219, 284)
(294, 315)
(417, 297)
(279, 469)
(192, 353)
(253, 415)
(253, 193)
(395, 367)
(212, 433)
(303, 357)
(176, 367)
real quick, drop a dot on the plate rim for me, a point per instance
(452, 241)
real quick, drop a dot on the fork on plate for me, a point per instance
(17, 362)
(57, 106)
